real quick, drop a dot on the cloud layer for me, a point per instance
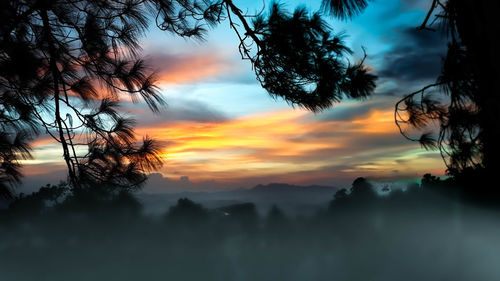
(293, 146)
(220, 128)
(414, 61)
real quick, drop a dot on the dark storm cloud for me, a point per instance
(177, 110)
(349, 112)
(416, 56)
(192, 110)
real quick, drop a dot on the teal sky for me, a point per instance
(221, 129)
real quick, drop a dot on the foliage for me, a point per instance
(65, 65)
(344, 9)
(465, 113)
(298, 59)
(418, 228)
(12, 149)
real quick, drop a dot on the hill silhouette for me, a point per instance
(58, 234)
(287, 188)
(294, 199)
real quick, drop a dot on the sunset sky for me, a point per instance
(220, 129)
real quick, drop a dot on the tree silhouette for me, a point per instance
(298, 59)
(362, 188)
(65, 65)
(344, 9)
(13, 147)
(187, 212)
(468, 121)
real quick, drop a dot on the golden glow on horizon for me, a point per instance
(289, 144)
(377, 122)
(280, 142)
(248, 146)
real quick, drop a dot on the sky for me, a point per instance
(220, 129)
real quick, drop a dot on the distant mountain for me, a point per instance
(283, 193)
(294, 199)
(284, 187)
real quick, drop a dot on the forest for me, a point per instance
(425, 232)
(72, 71)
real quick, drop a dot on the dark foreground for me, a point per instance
(419, 234)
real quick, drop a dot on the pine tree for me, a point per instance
(64, 65)
(468, 122)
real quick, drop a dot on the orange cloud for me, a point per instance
(192, 70)
(41, 141)
(191, 67)
(176, 69)
(285, 143)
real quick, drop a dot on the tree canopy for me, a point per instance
(65, 65)
(466, 109)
